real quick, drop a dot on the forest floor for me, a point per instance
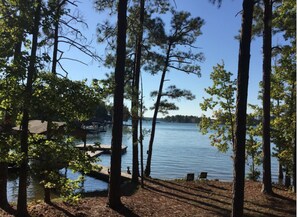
(174, 198)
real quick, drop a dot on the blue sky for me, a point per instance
(216, 42)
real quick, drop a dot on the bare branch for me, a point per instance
(74, 3)
(77, 32)
(76, 60)
(63, 69)
(83, 48)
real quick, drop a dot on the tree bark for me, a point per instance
(280, 171)
(56, 34)
(294, 164)
(4, 165)
(287, 178)
(266, 186)
(56, 43)
(292, 112)
(47, 195)
(3, 186)
(141, 134)
(135, 96)
(22, 196)
(147, 171)
(241, 108)
(114, 193)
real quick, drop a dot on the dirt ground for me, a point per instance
(175, 198)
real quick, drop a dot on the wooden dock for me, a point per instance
(94, 153)
(98, 150)
(103, 174)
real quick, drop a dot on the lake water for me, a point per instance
(178, 149)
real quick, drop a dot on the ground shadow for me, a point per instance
(176, 195)
(66, 212)
(199, 190)
(95, 194)
(129, 188)
(10, 210)
(125, 211)
(275, 195)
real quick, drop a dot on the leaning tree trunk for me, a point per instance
(135, 96)
(114, 193)
(241, 108)
(147, 171)
(22, 196)
(267, 186)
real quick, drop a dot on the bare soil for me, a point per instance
(174, 198)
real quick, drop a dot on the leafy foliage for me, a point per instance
(222, 104)
(63, 99)
(253, 145)
(284, 106)
(182, 119)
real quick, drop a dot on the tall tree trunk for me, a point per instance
(47, 195)
(3, 164)
(266, 186)
(141, 134)
(292, 114)
(280, 171)
(59, 5)
(241, 108)
(135, 96)
(3, 186)
(22, 196)
(55, 51)
(294, 163)
(287, 178)
(147, 171)
(114, 194)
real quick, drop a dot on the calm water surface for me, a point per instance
(178, 149)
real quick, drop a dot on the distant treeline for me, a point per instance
(181, 119)
(195, 119)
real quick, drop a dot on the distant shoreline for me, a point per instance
(177, 119)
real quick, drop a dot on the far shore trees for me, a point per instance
(183, 33)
